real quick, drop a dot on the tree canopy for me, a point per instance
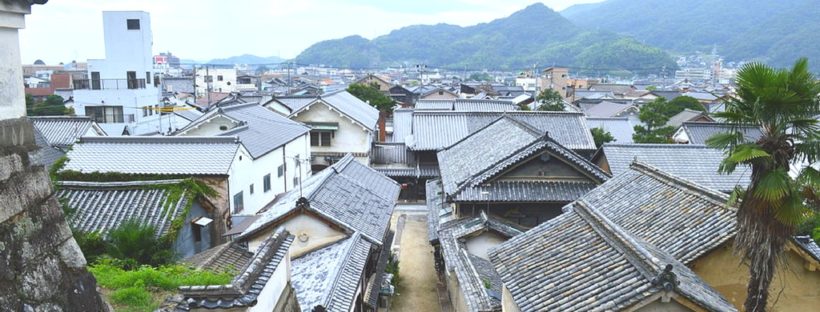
(550, 100)
(654, 116)
(372, 96)
(52, 106)
(601, 136)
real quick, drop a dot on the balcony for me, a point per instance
(108, 84)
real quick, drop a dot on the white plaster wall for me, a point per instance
(318, 234)
(482, 243)
(125, 50)
(279, 108)
(211, 127)
(270, 294)
(13, 103)
(228, 83)
(350, 138)
(507, 302)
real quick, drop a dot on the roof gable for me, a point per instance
(345, 103)
(495, 149)
(699, 132)
(435, 130)
(697, 163)
(348, 193)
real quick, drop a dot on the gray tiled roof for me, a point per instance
(473, 272)
(620, 127)
(154, 155)
(402, 124)
(435, 130)
(528, 191)
(699, 132)
(45, 154)
(228, 256)
(371, 295)
(330, 276)
(682, 218)
(295, 103)
(484, 154)
(582, 261)
(434, 105)
(351, 194)
(260, 129)
(103, 206)
(63, 131)
(435, 207)
(481, 105)
(188, 114)
(246, 287)
(340, 100)
(808, 245)
(684, 116)
(697, 163)
(608, 109)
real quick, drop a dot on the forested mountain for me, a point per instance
(533, 35)
(776, 32)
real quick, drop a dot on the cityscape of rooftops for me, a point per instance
(366, 156)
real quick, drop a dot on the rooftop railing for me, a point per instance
(108, 84)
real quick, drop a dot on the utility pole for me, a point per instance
(208, 81)
(289, 81)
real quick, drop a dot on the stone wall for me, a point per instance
(41, 266)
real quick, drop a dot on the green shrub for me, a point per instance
(133, 297)
(137, 242)
(92, 244)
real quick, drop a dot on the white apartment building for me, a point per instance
(221, 80)
(122, 89)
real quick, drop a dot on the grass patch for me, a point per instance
(144, 288)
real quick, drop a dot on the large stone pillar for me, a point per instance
(41, 266)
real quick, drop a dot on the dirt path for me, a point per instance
(417, 290)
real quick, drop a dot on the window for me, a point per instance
(197, 229)
(223, 128)
(144, 111)
(132, 24)
(95, 80)
(219, 78)
(266, 182)
(251, 189)
(295, 181)
(238, 203)
(105, 114)
(209, 78)
(131, 77)
(156, 108)
(320, 138)
(150, 111)
(280, 171)
(147, 77)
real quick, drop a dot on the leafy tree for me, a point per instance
(651, 88)
(654, 117)
(261, 69)
(52, 106)
(601, 136)
(784, 102)
(680, 103)
(372, 96)
(550, 100)
(135, 242)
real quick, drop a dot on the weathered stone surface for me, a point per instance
(41, 266)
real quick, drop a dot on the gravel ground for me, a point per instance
(417, 291)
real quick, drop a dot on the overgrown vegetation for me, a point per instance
(393, 268)
(601, 136)
(144, 288)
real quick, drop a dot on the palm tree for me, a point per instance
(784, 103)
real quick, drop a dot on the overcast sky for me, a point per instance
(65, 30)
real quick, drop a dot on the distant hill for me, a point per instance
(776, 32)
(533, 35)
(246, 59)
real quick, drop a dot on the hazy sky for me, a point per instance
(65, 30)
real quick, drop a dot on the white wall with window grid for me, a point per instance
(279, 166)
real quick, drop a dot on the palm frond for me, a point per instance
(746, 152)
(725, 140)
(773, 186)
(792, 211)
